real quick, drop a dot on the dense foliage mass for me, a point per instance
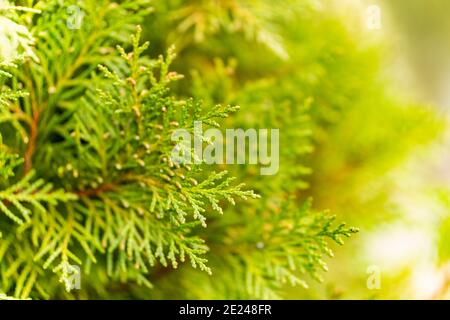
(86, 119)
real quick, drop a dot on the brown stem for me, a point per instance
(31, 143)
(95, 191)
(28, 164)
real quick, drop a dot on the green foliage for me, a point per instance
(257, 255)
(92, 113)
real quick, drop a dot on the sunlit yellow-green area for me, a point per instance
(402, 206)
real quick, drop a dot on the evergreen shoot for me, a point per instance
(87, 182)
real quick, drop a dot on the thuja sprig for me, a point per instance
(97, 123)
(132, 107)
(16, 197)
(272, 247)
(7, 95)
(138, 208)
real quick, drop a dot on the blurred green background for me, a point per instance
(404, 208)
